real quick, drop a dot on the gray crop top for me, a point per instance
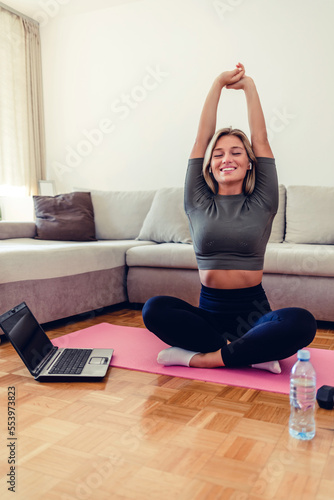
(231, 232)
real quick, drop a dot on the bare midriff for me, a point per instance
(230, 278)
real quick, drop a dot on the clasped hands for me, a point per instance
(235, 79)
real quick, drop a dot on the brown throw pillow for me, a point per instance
(67, 217)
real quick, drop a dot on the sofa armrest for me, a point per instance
(17, 230)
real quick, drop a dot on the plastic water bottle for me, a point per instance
(302, 397)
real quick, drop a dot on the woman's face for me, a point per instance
(229, 164)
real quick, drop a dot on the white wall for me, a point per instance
(93, 60)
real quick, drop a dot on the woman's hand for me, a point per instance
(231, 77)
(243, 82)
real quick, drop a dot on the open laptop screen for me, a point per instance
(27, 336)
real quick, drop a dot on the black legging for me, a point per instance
(242, 316)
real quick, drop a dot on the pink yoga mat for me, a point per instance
(137, 349)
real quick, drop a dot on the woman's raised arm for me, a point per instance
(208, 119)
(257, 124)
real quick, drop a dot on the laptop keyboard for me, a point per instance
(71, 361)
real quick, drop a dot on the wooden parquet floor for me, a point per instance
(143, 436)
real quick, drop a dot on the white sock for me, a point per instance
(270, 366)
(175, 356)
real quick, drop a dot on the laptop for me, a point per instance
(46, 362)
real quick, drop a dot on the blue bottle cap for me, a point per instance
(303, 355)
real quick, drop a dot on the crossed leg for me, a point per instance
(276, 335)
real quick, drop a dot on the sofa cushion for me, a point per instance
(119, 215)
(31, 259)
(309, 215)
(301, 259)
(166, 220)
(280, 258)
(17, 230)
(168, 255)
(278, 228)
(67, 217)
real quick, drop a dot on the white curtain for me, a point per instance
(22, 137)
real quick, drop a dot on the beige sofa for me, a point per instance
(143, 248)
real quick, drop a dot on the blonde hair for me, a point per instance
(249, 180)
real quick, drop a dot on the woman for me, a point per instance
(231, 198)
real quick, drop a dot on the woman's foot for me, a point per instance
(182, 357)
(175, 356)
(270, 366)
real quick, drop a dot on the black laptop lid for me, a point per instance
(27, 336)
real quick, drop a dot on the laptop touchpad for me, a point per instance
(98, 361)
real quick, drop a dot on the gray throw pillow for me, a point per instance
(309, 215)
(166, 220)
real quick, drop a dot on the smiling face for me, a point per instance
(229, 164)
